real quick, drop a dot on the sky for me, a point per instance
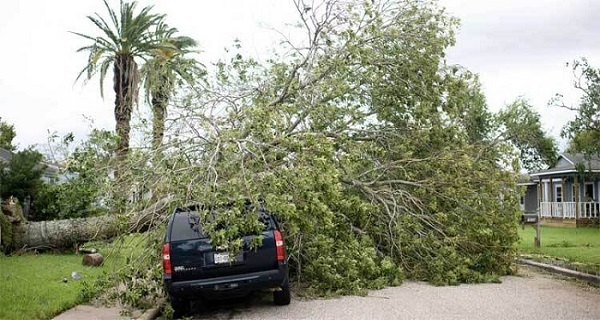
(518, 48)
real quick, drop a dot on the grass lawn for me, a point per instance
(576, 247)
(32, 287)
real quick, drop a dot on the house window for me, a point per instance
(558, 193)
(589, 192)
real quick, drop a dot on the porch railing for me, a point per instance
(567, 210)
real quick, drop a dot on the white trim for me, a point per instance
(527, 184)
(562, 193)
(554, 180)
(557, 172)
(563, 156)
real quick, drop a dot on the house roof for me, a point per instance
(5, 155)
(570, 163)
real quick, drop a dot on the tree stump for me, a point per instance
(13, 210)
(93, 259)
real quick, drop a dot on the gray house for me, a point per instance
(51, 170)
(566, 193)
(5, 155)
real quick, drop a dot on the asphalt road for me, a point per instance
(531, 295)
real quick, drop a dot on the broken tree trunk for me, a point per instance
(63, 233)
(93, 259)
(66, 233)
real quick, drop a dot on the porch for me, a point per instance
(570, 210)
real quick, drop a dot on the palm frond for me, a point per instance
(97, 41)
(102, 25)
(83, 35)
(103, 71)
(113, 17)
(134, 33)
(184, 43)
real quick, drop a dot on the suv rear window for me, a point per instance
(186, 225)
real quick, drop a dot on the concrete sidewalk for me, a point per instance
(86, 312)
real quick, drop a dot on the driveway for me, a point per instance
(531, 295)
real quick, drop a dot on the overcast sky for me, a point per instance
(519, 48)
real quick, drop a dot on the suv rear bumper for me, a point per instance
(228, 285)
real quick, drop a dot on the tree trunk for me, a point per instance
(93, 259)
(63, 233)
(159, 110)
(160, 101)
(59, 234)
(126, 90)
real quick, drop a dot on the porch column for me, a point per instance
(563, 195)
(540, 191)
(576, 196)
(551, 202)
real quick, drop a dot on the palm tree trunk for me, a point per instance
(160, 100)
(125, 86)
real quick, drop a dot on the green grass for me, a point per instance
(578, 248)
(32, 287)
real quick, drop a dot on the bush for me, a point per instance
(70, 199)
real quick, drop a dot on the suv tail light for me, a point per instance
(166, 253)
(279, 246)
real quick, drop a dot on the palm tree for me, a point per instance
(168, 68)
(130, 36)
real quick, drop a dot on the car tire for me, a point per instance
(181, 307)
(283, 297)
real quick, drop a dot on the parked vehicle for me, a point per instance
(194, 269)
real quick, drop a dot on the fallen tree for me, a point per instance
(60, 234)
(381, 161)
(43, 235)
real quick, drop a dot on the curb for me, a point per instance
(564, 271)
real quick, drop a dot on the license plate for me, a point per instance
(222, 257)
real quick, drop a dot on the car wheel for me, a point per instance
(181, 307)
(283, 298)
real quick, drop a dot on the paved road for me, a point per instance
(531, 295)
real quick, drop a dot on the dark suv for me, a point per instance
(194, 269)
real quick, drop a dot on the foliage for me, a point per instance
(84, 181)
(21, 177)
(7, 134)
(139, 280)
(131, 34)
(522, 127)
(168, 69)
(73, 198)
(380, 160)
(375, 155)
(584, 130)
